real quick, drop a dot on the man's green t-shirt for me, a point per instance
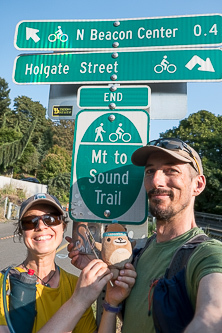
(206, 259)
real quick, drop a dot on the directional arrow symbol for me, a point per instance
(32, 33)
(205, 65)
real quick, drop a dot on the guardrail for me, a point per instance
(211, 223)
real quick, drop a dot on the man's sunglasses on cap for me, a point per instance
(32, 222)
(174, 144)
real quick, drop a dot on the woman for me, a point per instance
(62, 303)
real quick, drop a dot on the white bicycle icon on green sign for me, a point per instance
(126, 137)
(120, 134)
(165, 66)
(58, 35)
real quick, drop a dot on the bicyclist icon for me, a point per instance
(58, 35)
(165, 66)
(120, 134)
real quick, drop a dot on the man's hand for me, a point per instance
(78, 259)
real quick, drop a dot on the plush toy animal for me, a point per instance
(116, 249)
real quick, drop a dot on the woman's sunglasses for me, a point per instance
(31, 222)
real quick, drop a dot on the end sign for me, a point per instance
(105, 185)
(114, 97)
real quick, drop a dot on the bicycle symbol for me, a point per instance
(165, 66)
(119, 134)
(126, 137)
(58, 35)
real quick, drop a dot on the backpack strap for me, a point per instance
(170, 296)
(138, 252)
(182, 255)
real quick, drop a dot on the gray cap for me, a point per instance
(140, 156)
(40, 198)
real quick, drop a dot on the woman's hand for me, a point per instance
(91, 282)
(121, 286)
(115, 295)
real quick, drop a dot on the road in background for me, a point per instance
(13, 252)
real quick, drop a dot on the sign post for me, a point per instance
(105, 185)
(140, 33)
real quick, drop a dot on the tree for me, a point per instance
(63, 133)
(9, 135)
(202, 130)
(13, 141)
(60, 187)
(4, 101)
(27, 112)
(56, 162)
(27, 138)
(12, 151)
(28, 162)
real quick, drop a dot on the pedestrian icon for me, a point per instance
(99, 130)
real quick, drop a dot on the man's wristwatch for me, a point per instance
(110, 308)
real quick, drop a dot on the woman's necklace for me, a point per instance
(43, 282)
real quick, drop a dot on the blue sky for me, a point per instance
(200, 95)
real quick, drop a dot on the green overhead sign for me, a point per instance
(114, 97)
(105, 67)
(140, 33)
(105, 185)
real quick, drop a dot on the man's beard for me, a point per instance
(154, 208)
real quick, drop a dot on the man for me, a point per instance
(173, 178)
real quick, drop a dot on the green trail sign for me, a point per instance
(193, 30)
(114, 97)
(105, 185)
(138, 66)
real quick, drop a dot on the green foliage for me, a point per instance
(14, 195)
(151, 228)
(60, 187)
(62, 152)
(45, 142)
(10, 152)
(63, 132)
(9, 135)
(26, 110)
(202, 130)
(28, 162)
(4, 97)
(57, 161)
(40, 152)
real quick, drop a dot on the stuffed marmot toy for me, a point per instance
(116, 248)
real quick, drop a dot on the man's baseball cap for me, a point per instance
(180, 150)
(40, 198)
